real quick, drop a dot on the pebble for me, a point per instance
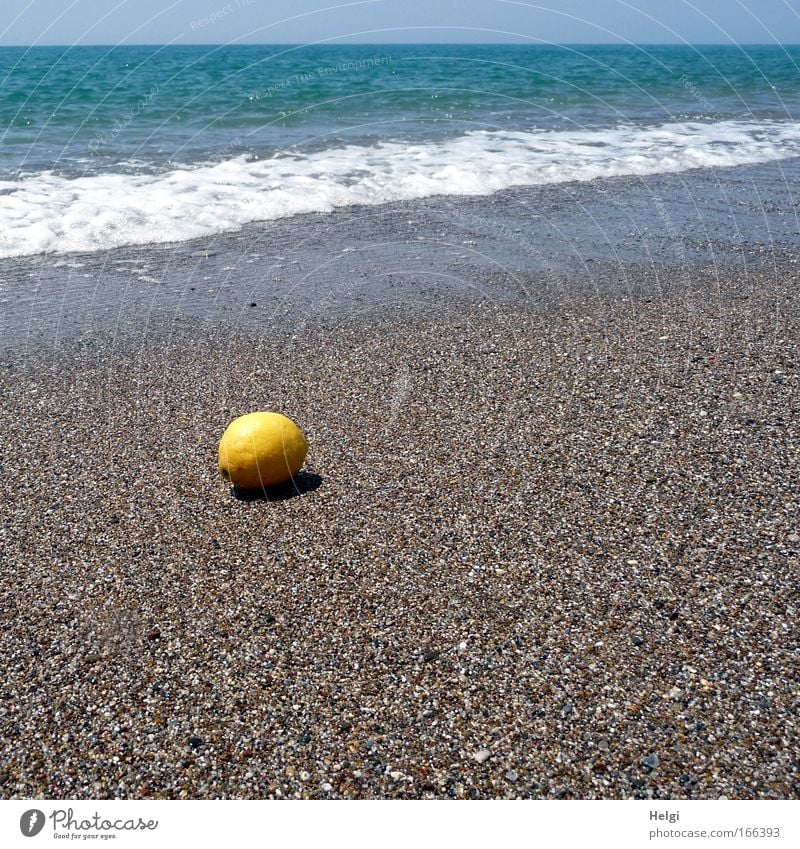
(482, 755)
(651, 761)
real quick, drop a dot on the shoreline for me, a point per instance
(534, 244)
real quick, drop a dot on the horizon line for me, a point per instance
(419, 44)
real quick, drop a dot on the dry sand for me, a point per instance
(538, 552)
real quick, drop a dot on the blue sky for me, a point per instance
(383, 21)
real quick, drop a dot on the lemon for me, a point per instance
(261, 449)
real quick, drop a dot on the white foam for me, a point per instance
(49, 212)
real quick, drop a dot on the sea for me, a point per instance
(103, 147)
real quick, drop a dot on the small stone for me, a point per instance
(3, 778)
(651, 761)
(326, 787)
(603, 745)
(93, 658)
(196, 742)
(429, 656)
(304, 739)
(795, 538)
(396, 774)
(637, 640)
(305, 776)
(512, 776)
(488, 350)
(153, 634)
(462, 646)
(482, 755)
(269, 618)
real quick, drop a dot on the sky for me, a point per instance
(27, 22)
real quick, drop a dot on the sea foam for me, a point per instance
(48, 212)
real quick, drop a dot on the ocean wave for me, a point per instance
(50, 212)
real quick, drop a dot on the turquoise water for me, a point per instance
(193, 126)
(159, 104)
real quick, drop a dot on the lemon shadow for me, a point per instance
(301, 484)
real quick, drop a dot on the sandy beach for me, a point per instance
(542, 548)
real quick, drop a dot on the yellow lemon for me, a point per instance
(260, 450)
